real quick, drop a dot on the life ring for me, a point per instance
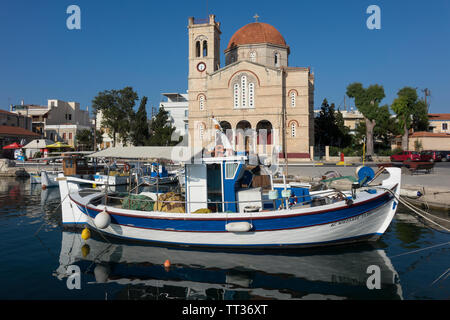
(126, 167)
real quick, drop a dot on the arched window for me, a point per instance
(251, 95)
(201, 102)
(293, 129)
(205, 48)
(201, 131)
(236, 92)
(244, 92)
(197, 49)
(293, 96)
(253, 56)
(277, 59)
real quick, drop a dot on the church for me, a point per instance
(255, 92)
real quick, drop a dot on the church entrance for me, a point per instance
(244, 135)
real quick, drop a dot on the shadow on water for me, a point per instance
(327, 273)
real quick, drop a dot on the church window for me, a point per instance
(277, 59)
(244, 91)
(251, 95)
(253, 56)
(236, 92)
(293, 130)
(293, 97)
(205, 48)
(200, 131)
(201, 102)
(197, 49)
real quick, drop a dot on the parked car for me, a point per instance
(405, 155)
(445, 155)
(430, 155)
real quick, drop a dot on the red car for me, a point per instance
(405, 155)
(431, 156)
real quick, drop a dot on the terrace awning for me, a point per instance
(176, 154)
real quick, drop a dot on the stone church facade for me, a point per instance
(256, 89)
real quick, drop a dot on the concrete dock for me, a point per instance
(434, 186)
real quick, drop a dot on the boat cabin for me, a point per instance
(229, 184)
(76, 165)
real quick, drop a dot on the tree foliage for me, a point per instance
(161, 130)
(85, 139)
(141, 134)
(329, 128)
(411, 113)
(117, 111)
(367, 101)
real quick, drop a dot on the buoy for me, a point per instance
(85, 234)
(85, 249)
(94, 185)
(167, 264)
(102, 220)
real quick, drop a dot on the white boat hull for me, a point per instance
(366, 219)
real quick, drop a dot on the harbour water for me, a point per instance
(409, 262)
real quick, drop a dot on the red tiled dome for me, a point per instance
(256, 32)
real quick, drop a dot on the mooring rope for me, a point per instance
(412, 208)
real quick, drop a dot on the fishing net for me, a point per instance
(137, 202)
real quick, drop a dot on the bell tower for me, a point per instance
(204, 59)
(204, 45)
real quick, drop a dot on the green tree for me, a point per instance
(141, 134)
(411, 113)
(383, 132)
(329, 128)
(367, 101)
(117, 112)
(161, 130)
(85, 139)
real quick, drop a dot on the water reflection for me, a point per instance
(332, 273)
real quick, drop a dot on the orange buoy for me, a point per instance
(167, 264)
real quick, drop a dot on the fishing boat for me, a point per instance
(222, 209)
(159, 175)
(229, 201)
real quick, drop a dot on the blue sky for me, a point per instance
(122, 43)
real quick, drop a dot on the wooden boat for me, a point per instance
(221, 209)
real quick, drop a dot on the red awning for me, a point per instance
(14, 145)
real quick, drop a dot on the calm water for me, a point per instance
(35, 252)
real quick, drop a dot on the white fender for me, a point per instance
(238, 226)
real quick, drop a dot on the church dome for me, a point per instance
(254, 33)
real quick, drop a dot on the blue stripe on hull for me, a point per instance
(259, 224)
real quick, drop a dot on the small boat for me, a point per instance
(222, 208)
(158, 175)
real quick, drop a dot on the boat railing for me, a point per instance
(291, 202)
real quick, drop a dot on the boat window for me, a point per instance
(230, 170)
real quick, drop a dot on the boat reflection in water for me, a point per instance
(331, 273)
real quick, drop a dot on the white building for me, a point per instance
(177, 105)
(58, 121)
